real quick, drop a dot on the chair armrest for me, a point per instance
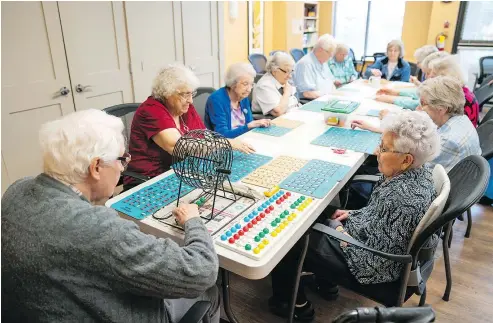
(196, 313)
(405, 259)
(366, 178)
(137, 176)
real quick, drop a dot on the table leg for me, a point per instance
(226, 296)
(306, 239)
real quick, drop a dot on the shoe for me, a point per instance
(301, 314)
(327, 293)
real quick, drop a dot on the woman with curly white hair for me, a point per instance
(420, 55)
(228, 109)
(162, 119)
(273, 94)
(83, 262)
(398, 202)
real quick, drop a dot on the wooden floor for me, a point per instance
(472, 291)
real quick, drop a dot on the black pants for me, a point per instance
(324, 258)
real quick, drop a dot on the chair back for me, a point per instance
(487, 117)
(485, 134)
(414, 69)
(126, 113)
(485, 67)
(378, 55)
(442, 187)
(483, 95)
(468, 181)
(297, 54)
(200, 100)
(258, 61)
(353, 58)
(387, 314)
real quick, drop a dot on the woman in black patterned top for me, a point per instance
(397, 204)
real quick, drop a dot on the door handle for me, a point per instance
(79, 88)
(62, 92)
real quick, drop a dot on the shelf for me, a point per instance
(310, 31)
(311, 18)
(311, 46)
(311, 3)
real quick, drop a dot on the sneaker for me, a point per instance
(301, 314)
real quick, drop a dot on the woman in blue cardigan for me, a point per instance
(392, 67)
(228, 109)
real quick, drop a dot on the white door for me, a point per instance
(34, 69)
(200, 40)
(154, 42)
(97, 53)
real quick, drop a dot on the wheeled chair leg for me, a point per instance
(469, 223)
(448, 273)
(422, 299)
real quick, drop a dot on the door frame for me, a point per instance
(220, 27)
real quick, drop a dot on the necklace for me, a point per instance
(185, 127)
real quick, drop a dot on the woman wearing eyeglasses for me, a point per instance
(398, 203)
(273, 94)
(161, 120)
(342, 66)
(228, 109)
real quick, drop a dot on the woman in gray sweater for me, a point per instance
(65, 259)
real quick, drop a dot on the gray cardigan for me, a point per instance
(65, 260)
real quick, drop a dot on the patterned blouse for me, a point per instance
(387, 224)
(345, 71)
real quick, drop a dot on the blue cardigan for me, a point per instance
(218, 114)
(402, 71)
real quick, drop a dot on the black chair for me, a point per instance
(375, 57)
(258, 61)
(486, 80)
(387, 315)
(469, 180)
(197, 313)
(487, 117)
(200, 100)
(126, 113)
(297, 54)
(485, 69)
(483, 95)
(378, 55)
(414, 69)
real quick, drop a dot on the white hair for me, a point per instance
(277, 60)
(396, 43)
(415, 133)
(170, 79)
(421, 53)
(443, 92)
(425, 64)
(326, 42)
(447, 66)
(237, 70)
(341, 47)
(69, 144)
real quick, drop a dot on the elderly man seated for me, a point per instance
(65, 259)
(442, 98)
(398, 203)
(312, 76)
(228, 109)
(273, 94)
(342, 66)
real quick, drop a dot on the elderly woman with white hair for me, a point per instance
(393, 67)
(398, 203)
(228, 109)
(419, 55)
(65, 259)
(408, 98)
(342, 66)
(273, 94)
(312, 76)
(161, 120)
(442, 98)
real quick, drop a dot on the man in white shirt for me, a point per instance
(273, 94)
(312, 75)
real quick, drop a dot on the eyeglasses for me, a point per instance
(382, 150)
(125, 160)
(286, 72)
(187, 95)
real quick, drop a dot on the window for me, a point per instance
(478, 22)
(366, 26)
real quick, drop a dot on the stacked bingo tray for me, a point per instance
(259, 229)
